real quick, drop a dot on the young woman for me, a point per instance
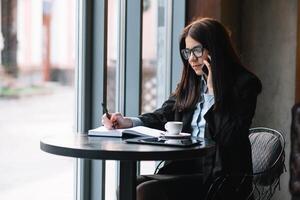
(216, 99)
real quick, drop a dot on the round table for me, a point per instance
(110, 148)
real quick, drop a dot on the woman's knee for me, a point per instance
(150, 190)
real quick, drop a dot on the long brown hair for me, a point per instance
(224, 60)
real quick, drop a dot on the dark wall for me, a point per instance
(268, 45)
(202, 8)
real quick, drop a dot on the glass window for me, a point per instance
(112, 54)
(112, 85)
(154, 60)
(150, 55)
(36, 97)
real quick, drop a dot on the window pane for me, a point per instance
(149, 57)
(36, 97)
(112, 56)
(154, 60)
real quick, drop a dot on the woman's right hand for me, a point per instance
(116, 121)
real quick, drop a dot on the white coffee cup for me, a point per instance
(174, 127)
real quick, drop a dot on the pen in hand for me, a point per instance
(105, 111)
(107, 114)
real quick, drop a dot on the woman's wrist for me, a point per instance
(136, 121)
(210, 90)
(128, 123)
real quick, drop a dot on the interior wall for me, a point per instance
(268, 47)
(230, 17)
(202, 8)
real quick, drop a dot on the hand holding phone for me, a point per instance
(204, 67)
(206, 70)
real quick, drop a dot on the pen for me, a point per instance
(106, 113)
(105, 110)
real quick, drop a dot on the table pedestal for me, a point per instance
(127, 180)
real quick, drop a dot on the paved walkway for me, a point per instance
(26, 172)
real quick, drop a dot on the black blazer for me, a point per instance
(229, 130)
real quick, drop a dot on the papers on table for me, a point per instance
(131, 132)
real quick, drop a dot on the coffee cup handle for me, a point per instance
(166, 126)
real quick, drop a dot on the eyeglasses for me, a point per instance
(197, 52)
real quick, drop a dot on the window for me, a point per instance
(37, 44)
(154, 60)
(115, 66)
(154, 29)
(113, 86)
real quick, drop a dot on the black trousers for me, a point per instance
(170, 187)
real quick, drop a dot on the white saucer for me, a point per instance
(180, 135)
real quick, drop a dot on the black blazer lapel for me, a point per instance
(187, 119)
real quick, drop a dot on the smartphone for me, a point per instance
(204, 68)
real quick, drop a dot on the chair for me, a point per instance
(268, 161)
(268, 164)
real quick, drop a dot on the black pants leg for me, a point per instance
(170, 187)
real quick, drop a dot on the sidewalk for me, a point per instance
(27, 172)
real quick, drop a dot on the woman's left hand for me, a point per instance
(209, 78)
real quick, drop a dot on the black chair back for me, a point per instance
(268, 164)
(268, 160)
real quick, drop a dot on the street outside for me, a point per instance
(27, 172)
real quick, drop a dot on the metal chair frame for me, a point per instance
(266, 192)
(259, 192)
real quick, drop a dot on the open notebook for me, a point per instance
(130, 132)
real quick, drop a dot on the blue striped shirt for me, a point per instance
(198, 121)
(206, 102)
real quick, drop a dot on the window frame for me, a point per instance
(91, 70)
